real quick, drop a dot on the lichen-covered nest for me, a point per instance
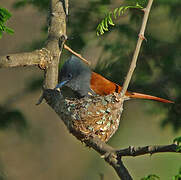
(89, 116)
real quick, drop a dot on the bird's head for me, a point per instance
(76, 75)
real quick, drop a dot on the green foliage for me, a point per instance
(40, 4)
(151, 177)
(4, 16)
(12, 117)
(178, 176)
(177, 140)
(155, 177)
(108, 20)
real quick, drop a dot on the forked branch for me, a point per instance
(49, 58)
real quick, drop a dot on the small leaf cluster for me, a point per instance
(151, 177)
(108, 20)
(4, 16)
(177, 141)
(155, 177)
(178, 176)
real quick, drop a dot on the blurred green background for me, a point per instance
(34, 142)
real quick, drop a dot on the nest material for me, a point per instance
(89, 116)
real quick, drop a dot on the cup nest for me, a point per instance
(94, 116)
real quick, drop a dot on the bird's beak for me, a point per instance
(60, 85)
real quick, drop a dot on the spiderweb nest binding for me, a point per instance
(95, 116)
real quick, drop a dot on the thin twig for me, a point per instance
(138, 46)
(76, 54)
(152, 149)
(66, 7)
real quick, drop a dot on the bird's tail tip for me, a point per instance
(145, 96)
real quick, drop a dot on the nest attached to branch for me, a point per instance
(96, 116)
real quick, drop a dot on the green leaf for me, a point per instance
(5, 13)
(1, 34)
(101, 30)
(106, 22)
(4, 16)
(177, 140)
(2, 27)
(103, 25)
(115, 13)
(110, 21)
(120, 11)
(139, 6)
(178, 176)
(9, 30)
(151, 177)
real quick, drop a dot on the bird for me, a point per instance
(77, 79)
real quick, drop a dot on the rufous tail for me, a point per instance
(145, 96)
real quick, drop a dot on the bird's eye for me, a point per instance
(69, 75)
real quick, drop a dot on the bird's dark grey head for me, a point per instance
(75, 75)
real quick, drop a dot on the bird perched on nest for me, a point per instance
(77, 79)
(95, 108)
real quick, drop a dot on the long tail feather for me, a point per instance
(145, 96)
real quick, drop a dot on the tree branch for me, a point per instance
(38, 57)
(48, 59)
(78, 115)
(113, 156)
(138, 46)
(69, 109)
(152, 149)
(110, 155)
(62, 108)
(57, 30)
